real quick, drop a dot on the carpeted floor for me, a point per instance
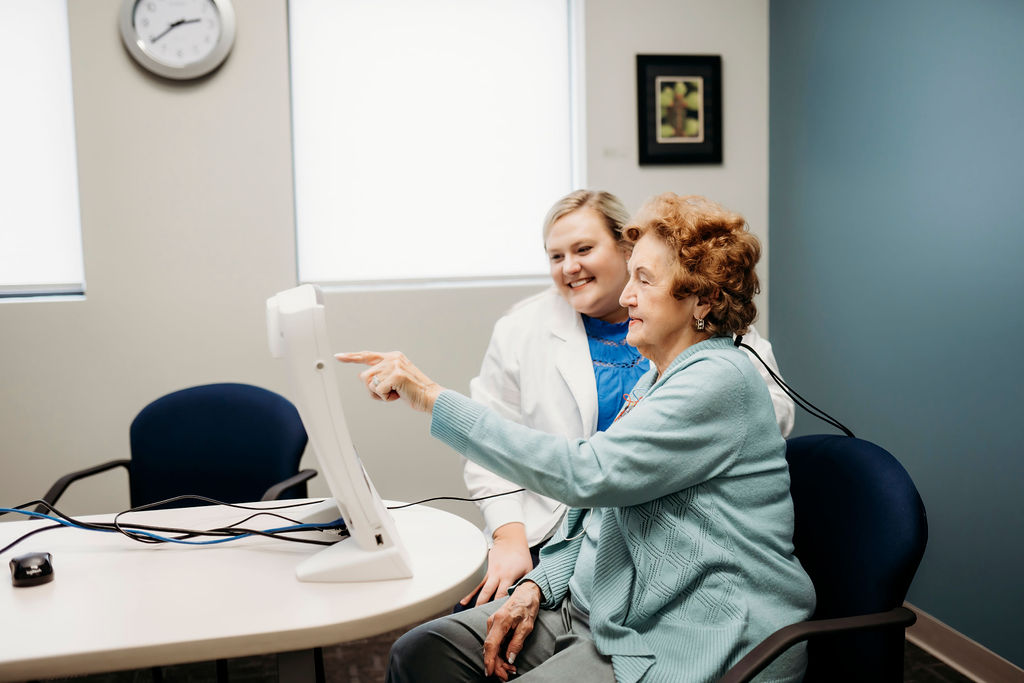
(363, 661)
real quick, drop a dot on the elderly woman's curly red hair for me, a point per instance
(717, 256)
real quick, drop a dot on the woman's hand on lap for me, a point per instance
(507, 561)
(515, 618)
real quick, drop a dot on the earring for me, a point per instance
(700, 323)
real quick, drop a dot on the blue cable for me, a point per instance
(165, 539)
(286, 529)
(40, 515)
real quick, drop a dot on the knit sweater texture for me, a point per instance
(694, 563)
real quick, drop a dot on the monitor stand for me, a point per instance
(346, 560)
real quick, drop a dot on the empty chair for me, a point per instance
(231, 442)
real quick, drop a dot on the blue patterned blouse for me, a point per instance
(617, 366)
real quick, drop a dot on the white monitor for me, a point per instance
(297, 332)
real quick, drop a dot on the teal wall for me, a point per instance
(897, 241)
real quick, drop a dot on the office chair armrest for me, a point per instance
(275, 491)
(771, 647)
(61, 484)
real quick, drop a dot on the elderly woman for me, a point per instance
(675, 557)
(559, 362)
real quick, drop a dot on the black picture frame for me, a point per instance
(679, 109)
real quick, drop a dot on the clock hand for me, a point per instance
(174, 25)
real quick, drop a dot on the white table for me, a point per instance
(118, 604)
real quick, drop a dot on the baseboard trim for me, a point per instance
(960, 652)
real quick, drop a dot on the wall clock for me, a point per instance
(178, 39)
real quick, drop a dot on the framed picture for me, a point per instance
(679, 109)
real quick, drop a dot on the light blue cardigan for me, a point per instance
(694, 563)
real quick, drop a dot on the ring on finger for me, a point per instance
(374, 382)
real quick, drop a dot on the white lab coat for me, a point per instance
(537, 371)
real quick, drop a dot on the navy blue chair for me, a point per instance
(860, 533)
(234, 443)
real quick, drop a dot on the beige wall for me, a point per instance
(188, 226)
(735, 29)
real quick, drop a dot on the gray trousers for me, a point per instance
(450, 649)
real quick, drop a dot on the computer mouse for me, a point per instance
(32, 569)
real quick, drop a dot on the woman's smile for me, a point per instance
(588, 266)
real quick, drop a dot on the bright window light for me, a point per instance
(430, 138)
(40, 228)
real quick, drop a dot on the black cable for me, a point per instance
(468, 500)
(800, 400)
(228, 531)
(220, 531)
(58, 513)
(24, 536)
(84, 525)
(797, 398)
(232, 530)
(189, 533)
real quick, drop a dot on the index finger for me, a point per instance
(487, 591)
(364, 357)
(465, 600)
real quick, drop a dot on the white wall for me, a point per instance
(735, 29)
(188, 226)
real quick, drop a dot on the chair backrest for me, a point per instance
(860, 533)
(230, 442)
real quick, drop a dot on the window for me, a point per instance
(40, 227)
(430, 138)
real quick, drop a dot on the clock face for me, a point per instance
(178, 38)
(177, 33)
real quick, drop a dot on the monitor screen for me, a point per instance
(297, 332)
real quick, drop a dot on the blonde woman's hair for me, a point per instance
(604, 203)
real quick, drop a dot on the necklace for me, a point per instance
(586, 525)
